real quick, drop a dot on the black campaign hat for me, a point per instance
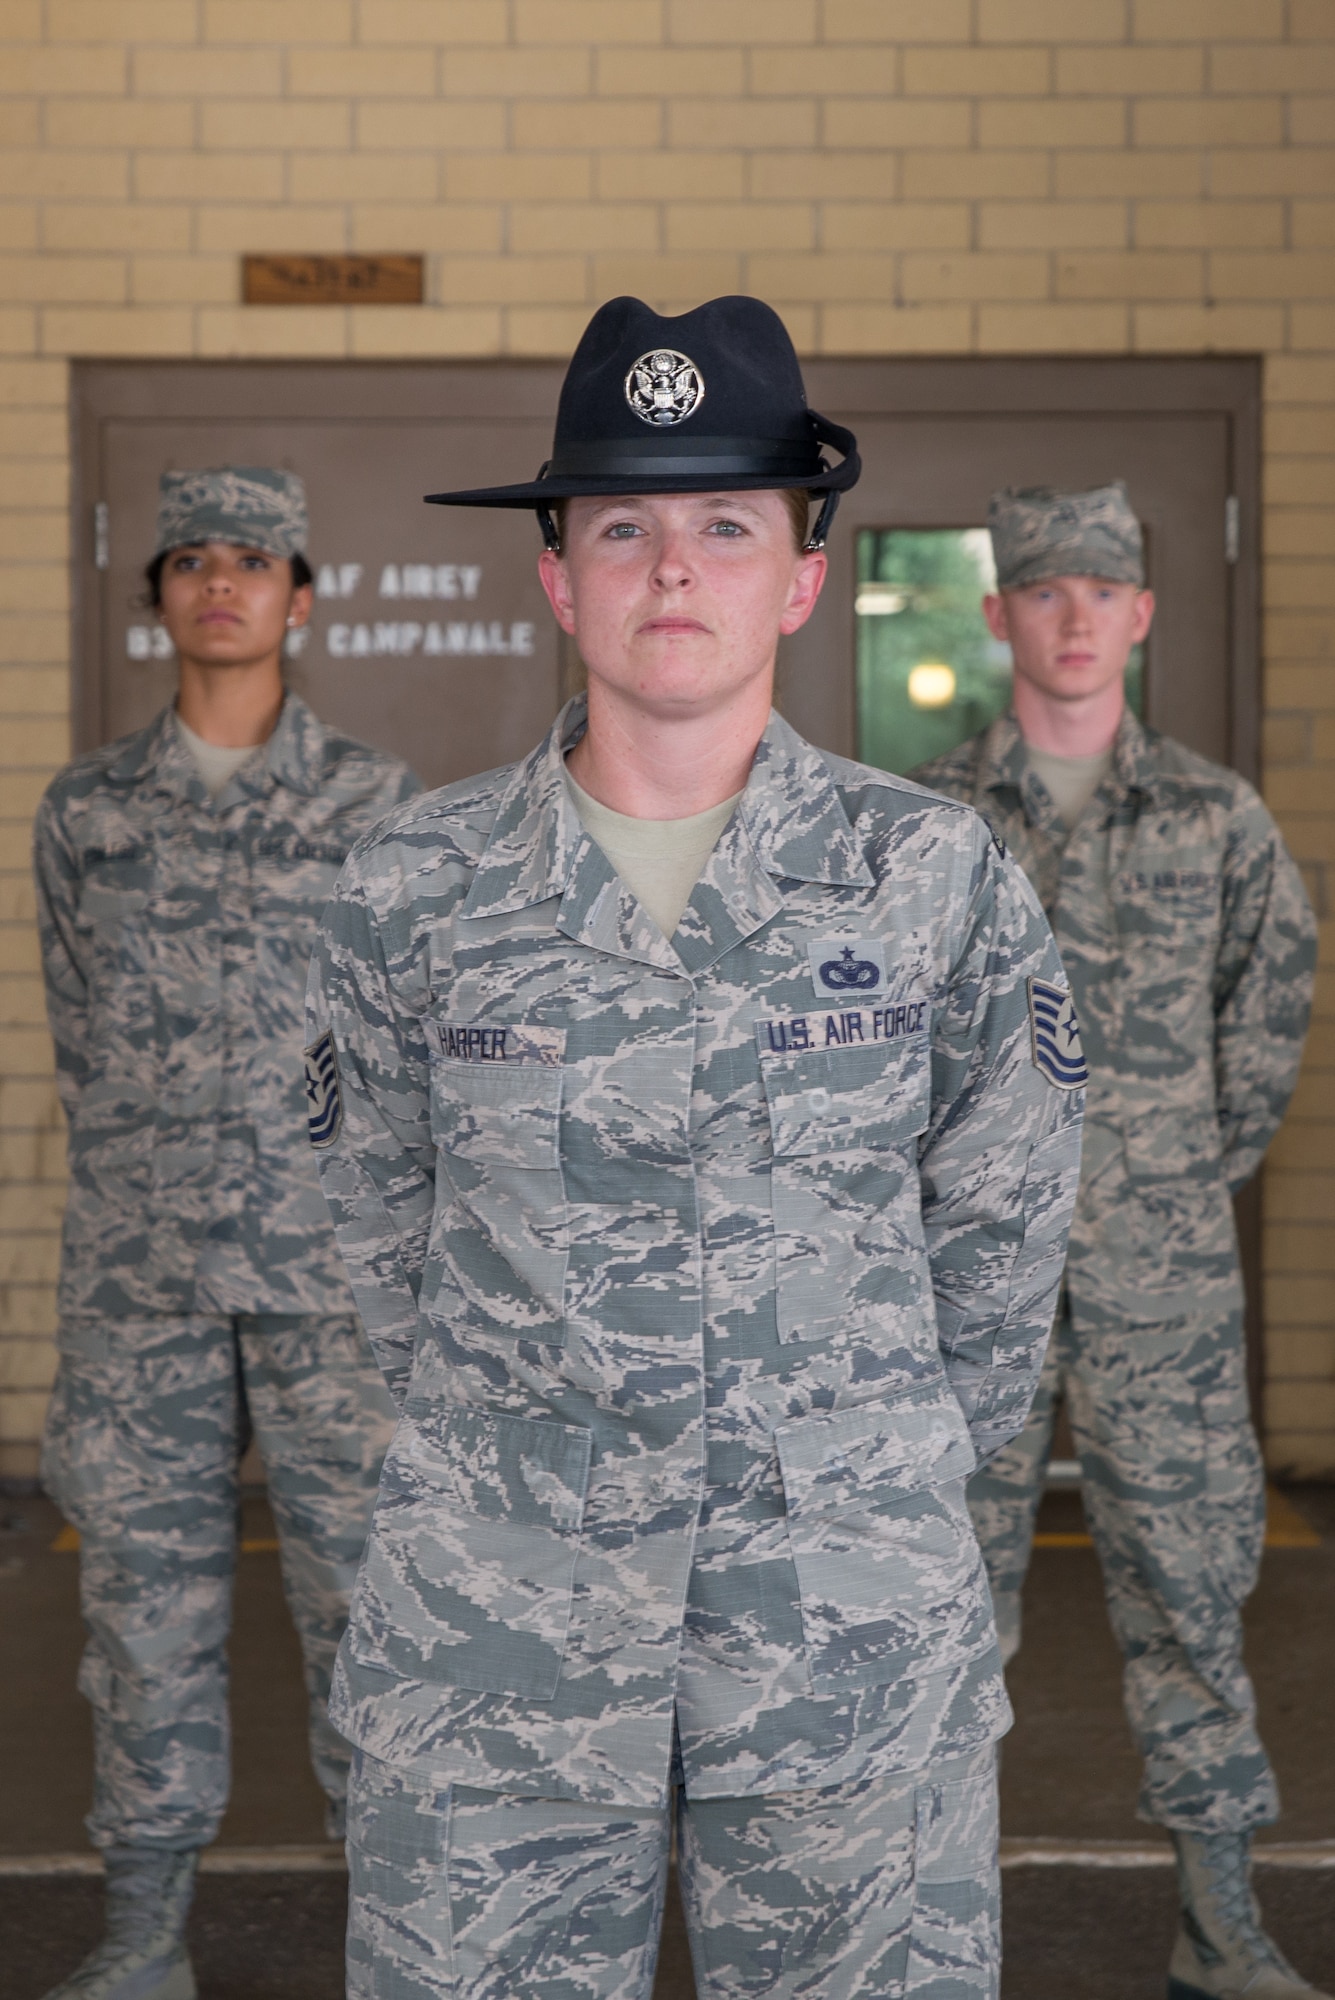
(708, 402)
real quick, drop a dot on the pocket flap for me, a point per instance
(116, 884)
(531, 1471)
(840, 1100)
(864, 1456)
(502, 1111)
(1171, 1143)
(403, 1825)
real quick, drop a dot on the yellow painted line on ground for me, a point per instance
(329, 1859)
(67, 1543)
(1020, 1853)
(1285, 1528)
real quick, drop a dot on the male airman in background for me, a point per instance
(1190, 947)
(180, 876)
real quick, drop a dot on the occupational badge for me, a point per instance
(324, 1101)
(664, 387)
(1055, 1034)
(844, 966)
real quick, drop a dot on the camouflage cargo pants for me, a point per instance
(1175, 1498)
(870, 1890)
(146, 1426)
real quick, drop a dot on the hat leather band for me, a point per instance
(756, 458)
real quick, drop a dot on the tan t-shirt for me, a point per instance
(216, 764)
(659, 860)
(1072, 781)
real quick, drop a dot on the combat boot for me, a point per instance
(143, 1955)
(1222, 1951)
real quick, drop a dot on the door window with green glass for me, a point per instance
(929, 673)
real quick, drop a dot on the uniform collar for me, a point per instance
(793, 813)
(296, 752)
(1005, 767)
(159, 751)
(1133, 756)
(789, 822)
(294, 757)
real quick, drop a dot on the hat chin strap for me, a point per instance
(824, 520)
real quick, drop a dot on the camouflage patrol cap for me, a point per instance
(254, 506)
(1038, 532)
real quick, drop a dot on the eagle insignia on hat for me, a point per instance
(664, 387)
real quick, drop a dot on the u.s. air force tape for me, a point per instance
(1055, 1036)
(794, 1034)
(324, 1100)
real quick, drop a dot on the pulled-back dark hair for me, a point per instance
(302, 574)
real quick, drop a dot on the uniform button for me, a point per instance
(818, 1100)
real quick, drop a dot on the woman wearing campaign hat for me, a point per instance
(180, 876)
(703, 1192)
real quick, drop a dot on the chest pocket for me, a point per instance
(848, 1239)
(115, 887)
(114, 898)
(293, 877)
(503, 1237)
(1168, 923)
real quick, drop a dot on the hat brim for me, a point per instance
(1046, 569)
(541, 492)
(702, 478)
(281, 552)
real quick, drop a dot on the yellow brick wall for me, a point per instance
(963, 176)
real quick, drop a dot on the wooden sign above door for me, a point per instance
(331, 281)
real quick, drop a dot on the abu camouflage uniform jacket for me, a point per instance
(1190, 947)
(702, 1272)
(176, 935)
